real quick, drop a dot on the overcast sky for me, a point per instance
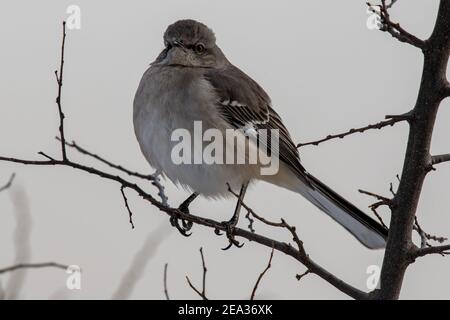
(325, 71)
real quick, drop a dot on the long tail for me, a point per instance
(369, 232)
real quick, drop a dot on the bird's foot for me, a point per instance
(185, 226)
(229, 227)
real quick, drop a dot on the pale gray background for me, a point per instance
(325, 71)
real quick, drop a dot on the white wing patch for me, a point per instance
(245, 115)
(249, 130)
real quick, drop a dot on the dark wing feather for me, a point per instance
(243, 102)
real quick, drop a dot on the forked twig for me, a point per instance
(261, 275)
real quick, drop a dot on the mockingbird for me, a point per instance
(192, 80)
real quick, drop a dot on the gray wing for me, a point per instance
(243, 103)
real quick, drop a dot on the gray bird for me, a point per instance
(192, 80)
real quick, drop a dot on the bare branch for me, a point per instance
(440, 159)
(390, 5)
(392, 120)
(166, 292)
(33, 266)
(299, 254)
(161, 193)
(59, 80)
(386, 201)
(394, 29)
(202, 294)
(442, 250)
(261, 275)
(391, 189)
(154, 178)
(250, 222)
(253, 213)
(82, 150)
(204, 272)
(125, 200)
(9, 183)
(300, 276)
(373, 208)
(426, 236)
(195, 289)
(399, 246)
(306, 261)
(383, 201)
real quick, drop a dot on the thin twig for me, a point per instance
(33, 266)
(253, 213)
(202, 294)
(377, 196)
(393, 120)
(195, 289)
(424, 236)
(375, 212)
(250, 222)
(391, 189)
(261, 275)
(59, 80)
(9, 183)
(388, 6)
(300, 276)
(161, 193)
(394, 29)
(204, 273)
(154, 178)
(82, 150)
(125, 200)
(440, 159)
(166, 292)
(442, 250)
(383, 201)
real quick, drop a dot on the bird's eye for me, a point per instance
(199, 48)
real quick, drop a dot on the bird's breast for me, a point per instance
(172, 100)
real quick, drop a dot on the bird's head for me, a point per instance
(189, 43)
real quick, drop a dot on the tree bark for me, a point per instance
(417, 161)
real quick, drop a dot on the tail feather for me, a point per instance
(369, 232)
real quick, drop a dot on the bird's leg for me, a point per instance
(231, 224)
(185, 225)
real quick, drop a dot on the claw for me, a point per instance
(233, 242)
(229, 232)
(174, 221)
(228, 246)
(185, 225)
(231, 224)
